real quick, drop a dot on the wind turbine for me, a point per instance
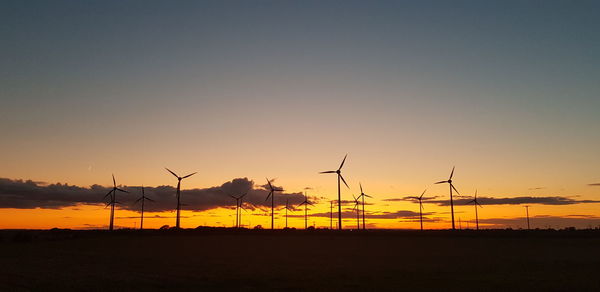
(420, 199)
(449, 182)
(476, 204)
(340, 177)
(306, 203)
(179, 178)
(113, 201)
(238, 205)
(242, 207)
(272, 191)
(143, 198)
(357, 208)
(237, 210)
(363, 195)
(287, 207)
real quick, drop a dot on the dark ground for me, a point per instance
(300, 260)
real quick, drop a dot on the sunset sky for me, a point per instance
(506, 91)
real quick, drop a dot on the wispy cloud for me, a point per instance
(556, 200)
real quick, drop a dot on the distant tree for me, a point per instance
(164, 227)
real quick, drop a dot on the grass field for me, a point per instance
(219, 259)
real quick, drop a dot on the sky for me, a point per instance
(240, 91)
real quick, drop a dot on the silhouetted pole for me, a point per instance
(476, 217)
(339, 204)
(527, 211)
(421, 213)
(357, 217)
(452, 207)
(142, 219)
(306, 215)
(178, 202)
(331, 215)
(363, 212)
(272, 211)
(237, 213)
(112, 211)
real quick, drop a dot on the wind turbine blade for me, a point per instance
(244, 195)
(107, 204)
(149, 199)
(344, 180)
(421, 197)
(172, 172)
(189, 175)
(109, 192)
(330, 171)
(143, 191)
(114, 181)
(479, 204)
(441, 182)
(452, 173)
(122, 190)
(269, 182)
(136, 201)
(269, 195)
(278, 190)
(361, 190)
(367, 196)
(451, 185)
(343, 162)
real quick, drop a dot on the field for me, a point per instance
(222, 259)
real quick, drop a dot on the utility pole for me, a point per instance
(527, 210)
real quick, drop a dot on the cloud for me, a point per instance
(29, 195)
(544, 221)
(350, 215)
(410, 198)
(516, 201)
(594, 185)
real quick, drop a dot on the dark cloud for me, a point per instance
(516, 201)
(29, 195)
(537, 188)
(594, 185)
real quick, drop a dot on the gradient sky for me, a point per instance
(508, 91)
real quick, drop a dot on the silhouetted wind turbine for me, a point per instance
(357, 208)
(287, 207)
(420, 199)
(237, 210)
(242, 207)
(113, 201)
(476, 204)
(449, 181)
(179, 178)
(272, 191)
(305, 203)
(143, 198)
(340, 177)
(363, 195)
